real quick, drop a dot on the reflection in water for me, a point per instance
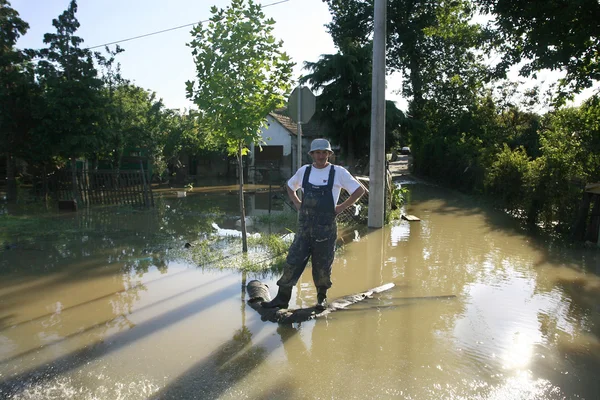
(100, 305)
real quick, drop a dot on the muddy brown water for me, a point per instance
(103, 308)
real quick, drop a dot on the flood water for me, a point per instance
(98, 305)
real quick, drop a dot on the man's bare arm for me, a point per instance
(293, 197)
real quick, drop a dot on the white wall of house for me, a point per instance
(276, 135)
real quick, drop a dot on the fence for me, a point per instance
(358, 213)
(102, 187)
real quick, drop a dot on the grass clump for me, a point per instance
(266, 253)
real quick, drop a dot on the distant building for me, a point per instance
(281, 143)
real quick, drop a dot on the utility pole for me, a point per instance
(299, 130)
(377, 155)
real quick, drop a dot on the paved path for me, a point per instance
(399, 168)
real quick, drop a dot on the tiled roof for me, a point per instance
(311, 129)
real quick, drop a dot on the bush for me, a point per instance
(507, 179)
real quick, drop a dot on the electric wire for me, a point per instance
(169, 29)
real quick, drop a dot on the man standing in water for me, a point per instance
(321, 184)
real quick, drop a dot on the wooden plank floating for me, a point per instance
(259, 292)
(410, 217)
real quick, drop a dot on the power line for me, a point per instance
(170, 29)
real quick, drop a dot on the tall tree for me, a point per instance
(16, 91)
(72, 90)
(242, 74)
(554, 34)
(433, 43)
(112, 144)
(344, 104)
(351, 22)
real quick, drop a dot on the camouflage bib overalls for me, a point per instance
(316, 236)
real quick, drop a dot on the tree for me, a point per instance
(554, 34)
(344, 104)
(351, 22)
(242, 75)
(113, 142)
(185, 134)
(73, 109)
(433, 44)
(17, 88)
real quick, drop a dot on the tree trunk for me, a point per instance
(242, 205)
(11, 182)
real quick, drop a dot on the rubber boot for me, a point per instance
(282, 299)
(321, 300)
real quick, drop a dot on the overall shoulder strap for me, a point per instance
(306, 175)
(331, 177)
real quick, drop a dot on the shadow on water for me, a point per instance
(107, 321)
(228, 365)
(556, 251)
(100, 298)
(17, 383)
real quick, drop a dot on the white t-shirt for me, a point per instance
(320, 177)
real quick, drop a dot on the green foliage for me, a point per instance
(268, 252)
(507, 179)
(570, 147)
(434, 44)
(344, 105)
(134, 118)
(242, 74)
(184, 133)
(397, 197)
(17, 91)
(206, 252)
(73, 104)
(351, 21)
(546, 190)
(285, 219)
(480, 137)
(558, 34)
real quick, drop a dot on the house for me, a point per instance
(277, 157)
(272, 162)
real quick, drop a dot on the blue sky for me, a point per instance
(163, 62)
